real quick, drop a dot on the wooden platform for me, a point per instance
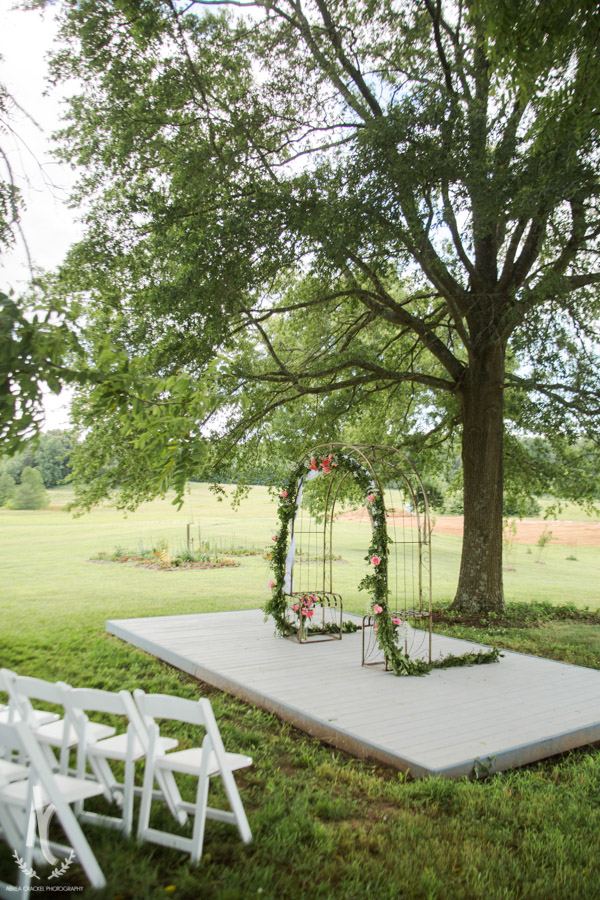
(448, 723)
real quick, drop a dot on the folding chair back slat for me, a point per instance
(98, 700)
(175, 709)
(38, 689)
(19, 705)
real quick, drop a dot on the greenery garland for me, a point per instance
(377, 557)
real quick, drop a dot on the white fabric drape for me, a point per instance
(289, 561)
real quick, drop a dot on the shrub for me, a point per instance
(520, 506)
(31, 493)
(7, 488)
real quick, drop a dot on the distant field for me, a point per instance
(45, 558)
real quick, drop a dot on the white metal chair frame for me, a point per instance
(127, 747)
(34, 794)
(202, 762)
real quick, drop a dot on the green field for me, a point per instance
(45, 556)
(325, 825)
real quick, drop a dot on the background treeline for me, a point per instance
(44, 463)
(47, 462)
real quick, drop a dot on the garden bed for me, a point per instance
(160, 561)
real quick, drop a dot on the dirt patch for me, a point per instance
(570, 534)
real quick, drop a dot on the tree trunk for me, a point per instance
(482, 397)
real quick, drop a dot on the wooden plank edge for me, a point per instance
(522, 754)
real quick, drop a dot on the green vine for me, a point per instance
(375, 581)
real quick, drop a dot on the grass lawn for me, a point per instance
(325, 825)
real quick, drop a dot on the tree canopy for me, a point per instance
(323, 219)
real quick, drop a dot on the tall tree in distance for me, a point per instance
(351, 205)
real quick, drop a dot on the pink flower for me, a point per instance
(377, 609)
(283, 494)
(313, 598)
(397, 621)
(274, 538)
(376, 626)
(309, 612)
(271, 584)
(295, 607)
(326, 463)
(375, 560)
(371, 498)
(313, 464)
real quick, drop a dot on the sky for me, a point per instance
(48, 224)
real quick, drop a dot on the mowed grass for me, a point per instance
(45, 555)
(325, 825)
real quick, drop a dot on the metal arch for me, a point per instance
(372, 457)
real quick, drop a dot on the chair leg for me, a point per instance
(199, 818)
(28, 838)
(105, 776)
(50, 757)
(170, 791)
(236, 805)
(144, 816)
(128, 796)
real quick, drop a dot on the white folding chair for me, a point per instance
(60, 733)
(11, 712)
(202, 762)
(126, 747)
(27, 804)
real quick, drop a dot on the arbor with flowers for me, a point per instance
(371, 470)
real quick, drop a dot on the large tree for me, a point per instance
(33, 343)
(338, 206)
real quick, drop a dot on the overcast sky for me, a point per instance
(48, 224)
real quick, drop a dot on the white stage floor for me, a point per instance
(501, 715)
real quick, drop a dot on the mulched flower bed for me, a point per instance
(168, 564)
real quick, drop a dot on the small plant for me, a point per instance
(542, 542)
(509, 536)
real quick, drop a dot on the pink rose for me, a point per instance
(274, 538)
(313, 464)
(309, 613)
(371, 498)
(283, 494)
(397, 621)
(376, 626)
(375, 560)
(271, 584)
(295, 607)
(377, 609)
